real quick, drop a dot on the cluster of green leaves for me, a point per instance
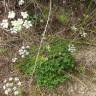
(26, 65)
(53, 71)
(53, 63)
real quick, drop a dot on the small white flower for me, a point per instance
(17, 25)
(21, 2)
(17, 22)
(16, 79)
(23, 47)
(7, 84)
(14, 88)
(83, 34)
(10, 79)
(4, 87)
(23, 52)
(14, 23)
(14, 60)
(71, 48)
(4, 23)
(19, 83)
(6, 92)
(14, 30)
(24, 15)
(27, 24)
(16, 93)
(20, 21)
(73, 28)
(22, 56)
(11, 14)
(27, 46)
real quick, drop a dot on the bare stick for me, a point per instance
(41, 42)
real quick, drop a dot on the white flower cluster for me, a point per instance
(23, 51)
(73, 28)
(14, 59)
(21, 2)
(71, 48)
(11, 14)
(83, 34)
(4, 23)
(11, 85)
(16, 24)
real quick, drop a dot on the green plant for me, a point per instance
(26, 65)
(53, 63)
(52, 72)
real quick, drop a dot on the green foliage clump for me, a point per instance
(52, 72)
(53, 63)
(27, 64)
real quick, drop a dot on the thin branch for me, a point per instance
(41, 42)
(42, 39)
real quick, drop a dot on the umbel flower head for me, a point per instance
(82, 32)
(14, 59)
(71, 48)
(24, 15)
(27, 24)
(73, 28)
(15, 25)
(4, 23)
(11, 14)
(21, 2)
(23, 51)
(11, 86)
